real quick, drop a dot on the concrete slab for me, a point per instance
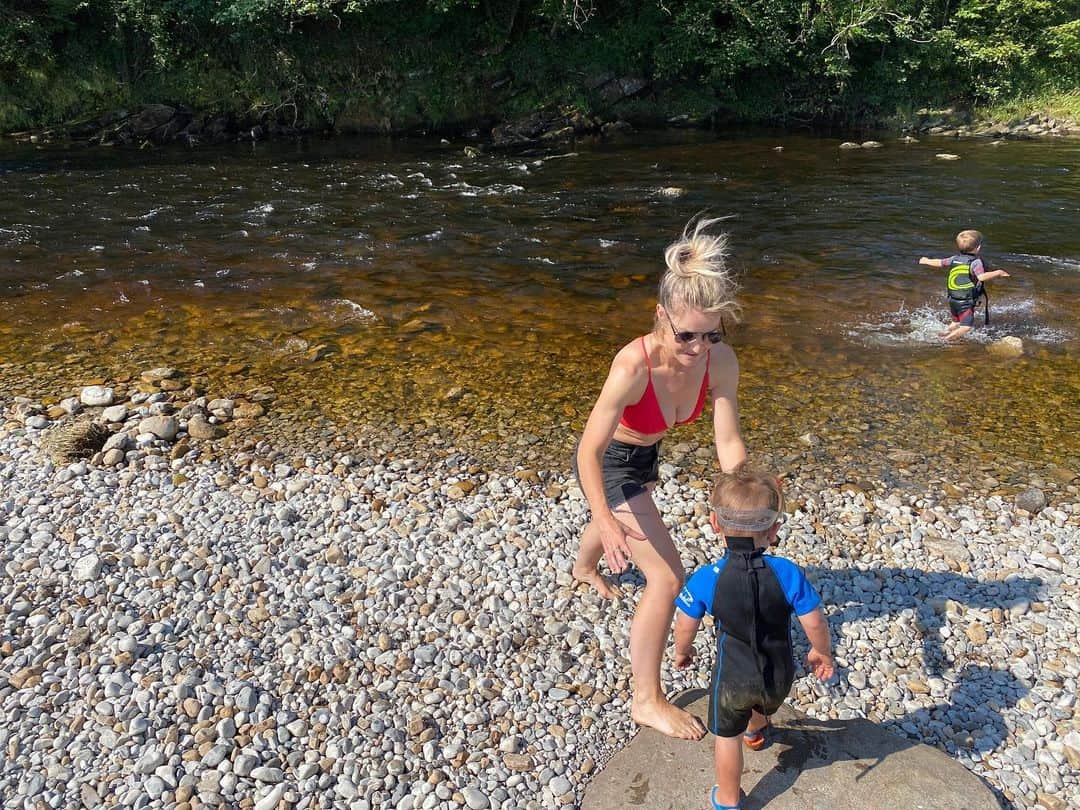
(808, 765)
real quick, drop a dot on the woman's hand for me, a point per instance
(613, 537)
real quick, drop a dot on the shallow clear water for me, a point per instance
(515, 276)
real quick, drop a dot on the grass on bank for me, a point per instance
(1060, 104)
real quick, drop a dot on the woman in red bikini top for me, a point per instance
(656, 382)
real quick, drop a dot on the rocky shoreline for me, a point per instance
(214, 622)
(951, 123)
(163, 124)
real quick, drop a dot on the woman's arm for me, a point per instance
(724, 388)
(624, 386)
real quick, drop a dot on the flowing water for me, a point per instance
(405, 282)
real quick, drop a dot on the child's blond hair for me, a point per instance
(745, 499)
(968, 241)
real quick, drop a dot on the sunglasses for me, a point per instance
(715, 336)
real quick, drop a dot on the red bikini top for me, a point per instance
(645, 415)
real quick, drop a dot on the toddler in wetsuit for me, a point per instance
(751, 596)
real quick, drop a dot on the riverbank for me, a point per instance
(377, 616)
(163, 124)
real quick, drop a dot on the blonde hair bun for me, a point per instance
(697, 275)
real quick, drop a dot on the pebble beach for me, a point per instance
(393, 625)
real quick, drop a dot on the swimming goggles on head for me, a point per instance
(751, 520)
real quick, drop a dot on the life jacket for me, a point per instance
(964, 287)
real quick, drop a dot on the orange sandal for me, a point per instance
(755, 740)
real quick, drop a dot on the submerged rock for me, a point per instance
(1007, 347)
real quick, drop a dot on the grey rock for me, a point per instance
(118, 441)
(115, 413)
(1031, 500)
(268, 775)
(474, 798)
(245, 764)
(858, 763)
(164, 427)
(87, 568)
(149, 761)
(271, 800)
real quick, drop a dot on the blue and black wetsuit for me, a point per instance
(751, 596)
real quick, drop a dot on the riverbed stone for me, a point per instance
(1031, 500)
(1008, 346)
(87, 568)
(163, 427)
(199, 428)
(114, 413)
(96, 396)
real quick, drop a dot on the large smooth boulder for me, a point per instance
(808, 765)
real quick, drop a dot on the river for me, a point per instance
(406, 282)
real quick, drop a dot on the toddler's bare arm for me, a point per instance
(685, 630)
(820, 659)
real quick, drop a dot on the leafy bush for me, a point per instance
(444, 61)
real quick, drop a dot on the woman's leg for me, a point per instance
(659, 562)
(588, 558)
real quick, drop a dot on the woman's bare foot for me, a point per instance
(590, 576)
(667, 719)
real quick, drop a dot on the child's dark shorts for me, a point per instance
(626, 468)
(741, 684)
(963, 312)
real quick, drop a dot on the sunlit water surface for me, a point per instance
(410, 270)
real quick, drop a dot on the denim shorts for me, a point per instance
(626, 469)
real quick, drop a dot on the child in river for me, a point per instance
(751, 596)
(967, 274)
